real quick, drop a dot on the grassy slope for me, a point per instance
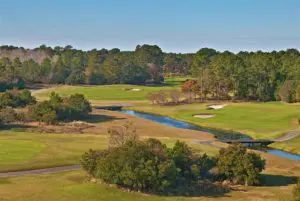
(259, 120)
(291, 145)
(20, 151)
(71, 186)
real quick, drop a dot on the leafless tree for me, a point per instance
(119, 135)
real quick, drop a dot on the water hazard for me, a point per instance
(220, 135)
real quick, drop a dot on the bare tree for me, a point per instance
(119, 135)
(175, 96)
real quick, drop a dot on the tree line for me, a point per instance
(262, 76)
(70, 66)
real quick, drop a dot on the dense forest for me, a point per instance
(70, 66)
(262, 76)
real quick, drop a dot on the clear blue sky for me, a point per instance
(174, 25)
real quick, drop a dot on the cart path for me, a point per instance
(40, 171)
(288, 136)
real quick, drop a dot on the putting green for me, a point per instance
(13, 151)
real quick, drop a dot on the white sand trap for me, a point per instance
(215, 106)
(135, 89)
(204, 116)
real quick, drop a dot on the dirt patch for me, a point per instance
(70, 127)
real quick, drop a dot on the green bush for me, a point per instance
(146, 166)
(57, 109)
(7, 115)
(16, 98)
(43, 112)
(239, 166)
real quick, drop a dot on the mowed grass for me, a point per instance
(292, 146)
(22, 151)
(117, 92)
(258, 120)
(73, 186)
(12, 151)
(105, 92)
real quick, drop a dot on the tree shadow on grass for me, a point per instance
(202, 189)
(16, 127)
(97, 118)
(277, 180)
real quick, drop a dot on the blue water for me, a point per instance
(180, 124)
(162, 120)
(284, 154)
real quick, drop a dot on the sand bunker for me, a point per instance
(131, 89)
(204, 116)
(215, 107)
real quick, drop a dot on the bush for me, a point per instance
(16, 98)
(165, 97)
(43, 112)
(235, 164)
(19, 84)
(56, 109)
(79, 106)
(7, 115)
(147, 166)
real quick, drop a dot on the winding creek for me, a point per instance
(183, 125)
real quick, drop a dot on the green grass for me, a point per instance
(21, 151)
(176, 81)
(292, 146)
(72, 186)
(12, 151)
(105, 92)
(259, 120)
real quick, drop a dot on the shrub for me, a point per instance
(7, 115)
(239, 166)
(43, 112)
(164, 97)
(175, 96)
(159, 97)
(89, 161)
(16, 98)
(56, 109)
(79, 106)
(146, 165)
